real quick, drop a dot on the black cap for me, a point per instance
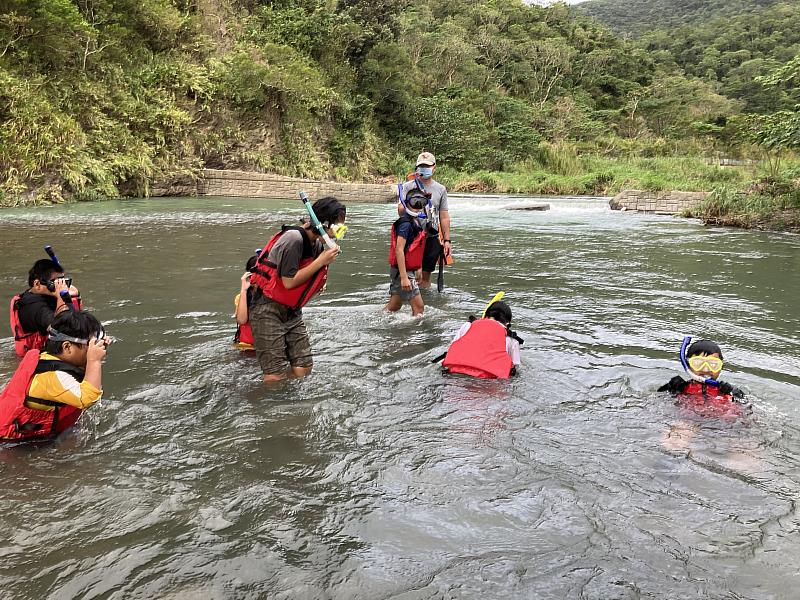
(329, 210)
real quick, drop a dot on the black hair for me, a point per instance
(251, 263)
(499, 311)
(77, 324)
(703, 347)
(329, 210)
(42, 270)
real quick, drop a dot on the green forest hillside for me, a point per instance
(102, 97)
(636, 17)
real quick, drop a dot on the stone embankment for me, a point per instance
(661, 203)
(266, 185)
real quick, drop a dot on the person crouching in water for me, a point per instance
(243, 339)
(485, 347)
(49, 390)
(290, 270)
(703, 363)
(406, 251)
(33, 310)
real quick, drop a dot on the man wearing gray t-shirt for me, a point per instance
(438, 216)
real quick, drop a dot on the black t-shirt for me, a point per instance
(36, 312)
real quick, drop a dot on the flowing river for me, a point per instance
(377, 477)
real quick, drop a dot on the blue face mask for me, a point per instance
(425, 172)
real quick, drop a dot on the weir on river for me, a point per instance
(377, 476)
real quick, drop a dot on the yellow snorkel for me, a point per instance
(497, 296)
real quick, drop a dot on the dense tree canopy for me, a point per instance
(103, 96)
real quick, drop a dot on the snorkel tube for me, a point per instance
(685, 362)
(315, 221)
(52, 255)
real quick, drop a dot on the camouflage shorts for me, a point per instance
(280, 337)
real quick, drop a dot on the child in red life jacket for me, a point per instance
(486, 347)
(49, 390)
(406, 250)
(291, 269)
(703, 362)
(243, 340)
(32, 311)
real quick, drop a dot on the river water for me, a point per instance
(378, 477)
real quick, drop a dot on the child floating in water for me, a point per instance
(485, 347)
(49, 391)
(703, 362)
(243, 340)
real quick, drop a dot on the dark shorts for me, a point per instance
(433, 249)
(395, 289)
(280, 337)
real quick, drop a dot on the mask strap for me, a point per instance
(56, 336)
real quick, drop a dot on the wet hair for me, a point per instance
(77, 324)
(329, 210)
(42, 270)
(251, 263)
(703, 347)
(499, 311)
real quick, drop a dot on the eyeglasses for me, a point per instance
(712, 363)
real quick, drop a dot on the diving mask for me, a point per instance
(338, 230)
(711, 363)
(54, 335)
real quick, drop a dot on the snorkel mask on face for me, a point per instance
(415, 202)
(54, 335)
(697, 363)
(338, 230)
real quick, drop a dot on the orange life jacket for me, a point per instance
(17, 421)
(266, 277)
(413, 252)
(481, 352)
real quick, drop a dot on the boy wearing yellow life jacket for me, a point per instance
(49, 390)
(291, 269)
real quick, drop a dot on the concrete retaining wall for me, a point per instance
(662, 203)
(266, 185)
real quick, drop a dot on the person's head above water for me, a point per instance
(42, 271)
(69, 335)
(704, 359)
(500, 312)
(251, 263)
(331, 214)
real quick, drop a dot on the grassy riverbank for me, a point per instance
(769, 204)
(566, 173)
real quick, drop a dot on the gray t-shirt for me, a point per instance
(288, 251)
(438, 198)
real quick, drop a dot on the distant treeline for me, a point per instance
(100, 97)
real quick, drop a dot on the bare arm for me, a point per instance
(242, 315)
(303, 275)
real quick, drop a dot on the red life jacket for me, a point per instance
(17, 421)
(266, 277)
(244, 336)
(708, 400)
(481, 352)
(413, 252)
(23, 342)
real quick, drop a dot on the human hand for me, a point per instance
(97, 350)
(246, 280)
(448, 248)
(329, 255)
(405, 283)
(73, 291)
(61, 286)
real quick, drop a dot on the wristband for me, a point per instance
(447, 241)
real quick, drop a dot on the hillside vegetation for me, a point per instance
(102, 97)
